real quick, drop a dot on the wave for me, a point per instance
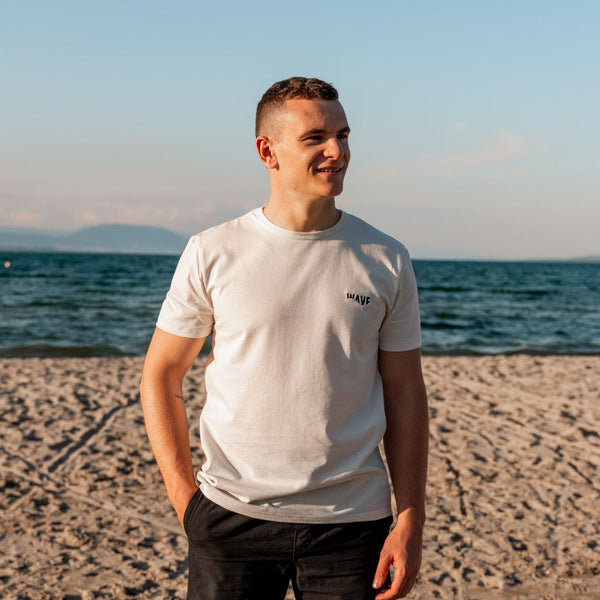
(458, 350)
(55, 351)
(441, 325)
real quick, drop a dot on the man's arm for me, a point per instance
(405, 442)
(168, 358)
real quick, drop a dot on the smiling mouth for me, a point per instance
(330, 170)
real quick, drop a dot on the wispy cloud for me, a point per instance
(129, 212)
(505, 146)
(89, 217)
(25, 219)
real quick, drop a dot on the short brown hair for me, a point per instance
(305, 88)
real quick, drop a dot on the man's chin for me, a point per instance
(334, 189)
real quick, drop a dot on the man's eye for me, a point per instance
(342, 136)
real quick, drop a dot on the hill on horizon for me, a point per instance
(97, 238)
(591, 259)
(147, 239)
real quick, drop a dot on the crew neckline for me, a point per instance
(299, 235)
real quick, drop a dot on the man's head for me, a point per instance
(303, 139)
(273, 100)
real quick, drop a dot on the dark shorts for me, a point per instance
(233, 557)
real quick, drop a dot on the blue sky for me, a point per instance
(475, 125)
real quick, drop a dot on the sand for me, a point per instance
(513, 495)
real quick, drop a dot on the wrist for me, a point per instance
(180, 498)
(413, 515)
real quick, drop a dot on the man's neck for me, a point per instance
(302, 216)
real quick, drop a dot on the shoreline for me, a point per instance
(27, 352)
(514, 479)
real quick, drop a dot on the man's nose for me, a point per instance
(334, 148)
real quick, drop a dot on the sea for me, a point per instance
(79, 305)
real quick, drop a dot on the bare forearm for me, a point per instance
(406, 448)
(405, 442)
(167, 428)
(167, 361)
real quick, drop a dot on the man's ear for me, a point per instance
(264, 147)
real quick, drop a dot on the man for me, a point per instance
(314, 323)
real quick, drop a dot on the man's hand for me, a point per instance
(402, 550)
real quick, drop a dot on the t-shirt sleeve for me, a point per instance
(401, 327)
(187, 309)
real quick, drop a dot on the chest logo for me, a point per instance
(362, 300)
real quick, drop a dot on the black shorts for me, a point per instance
(233, 557)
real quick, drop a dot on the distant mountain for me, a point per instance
(587, 259)
(100, 238)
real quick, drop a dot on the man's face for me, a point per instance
(311, 148)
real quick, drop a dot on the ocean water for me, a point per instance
(106, 305)
(80, 304)
(509, 307)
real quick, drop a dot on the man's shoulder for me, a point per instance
(366, 234)
(226, 230)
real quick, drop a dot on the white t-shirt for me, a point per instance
(294, 410)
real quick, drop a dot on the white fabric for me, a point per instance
(294, 410)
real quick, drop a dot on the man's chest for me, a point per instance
(301, 287)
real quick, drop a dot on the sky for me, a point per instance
(475, 125)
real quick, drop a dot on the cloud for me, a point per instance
(25, 219)
(89, 217)
(505, 146)
(117, 211)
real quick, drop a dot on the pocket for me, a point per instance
(189, 509)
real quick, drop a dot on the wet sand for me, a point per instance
(513, 494)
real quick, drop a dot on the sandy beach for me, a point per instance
(513, 494)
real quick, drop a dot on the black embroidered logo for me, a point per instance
(362, 300)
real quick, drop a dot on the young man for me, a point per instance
(314, 322)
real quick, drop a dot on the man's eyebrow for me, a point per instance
(321, 131)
